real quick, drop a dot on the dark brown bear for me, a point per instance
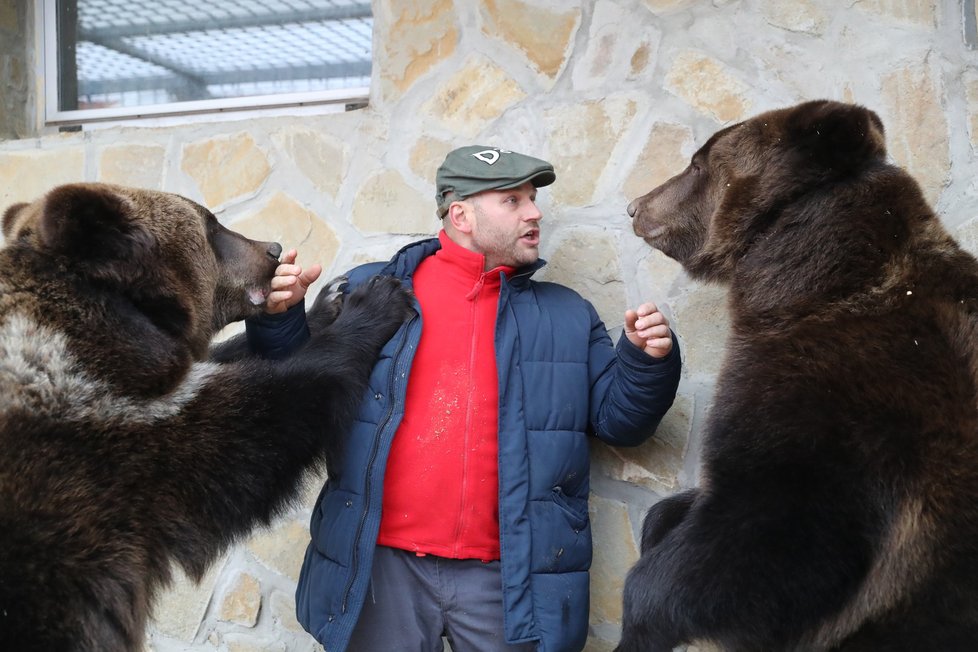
(838, 500)
(122, 449)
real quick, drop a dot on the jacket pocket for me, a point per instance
(573, 508)
(338, 514)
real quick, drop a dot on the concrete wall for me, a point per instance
(617, 94)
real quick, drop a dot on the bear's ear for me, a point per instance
(90, 222)
(10, 218)
(835, 135)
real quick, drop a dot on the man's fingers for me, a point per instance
(646, 309)
(659, 346)
(287, 269)
(310, 275)
(645, 316)
(283, 282)
(630, 318)
(289, 257)
(279, 296)
(651, 321)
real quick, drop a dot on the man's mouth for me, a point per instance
(531, 237)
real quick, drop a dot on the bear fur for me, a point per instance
(837, 507)
(123, 448)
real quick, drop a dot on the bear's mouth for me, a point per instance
(257, 296)
(654, 232)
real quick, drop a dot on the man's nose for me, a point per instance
(533, 212)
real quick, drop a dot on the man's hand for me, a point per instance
(648, 329)
(290, 283)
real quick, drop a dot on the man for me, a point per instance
(459, 506)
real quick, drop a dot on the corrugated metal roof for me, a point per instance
(153, 51)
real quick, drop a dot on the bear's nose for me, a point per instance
(631, 209)
(274, 250)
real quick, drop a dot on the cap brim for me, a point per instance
(538, 179)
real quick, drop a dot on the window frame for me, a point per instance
(970, 15)
(303, 103)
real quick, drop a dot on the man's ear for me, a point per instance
(460, 216)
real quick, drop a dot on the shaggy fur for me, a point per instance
(838, 502)
(122, 449)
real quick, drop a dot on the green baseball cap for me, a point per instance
(472, 169)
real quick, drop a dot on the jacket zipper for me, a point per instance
(370, 468)
(475, 297)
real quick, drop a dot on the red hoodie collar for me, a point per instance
(470, 262)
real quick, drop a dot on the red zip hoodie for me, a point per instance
(441, 487)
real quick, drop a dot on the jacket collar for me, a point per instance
(407, 258)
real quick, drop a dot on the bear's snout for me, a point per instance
(274, 250)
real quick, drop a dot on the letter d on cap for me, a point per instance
(489, 156)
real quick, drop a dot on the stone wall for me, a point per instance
(17, 91)
(617, 94)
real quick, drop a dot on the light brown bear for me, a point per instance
(837, 507)
(122, 448)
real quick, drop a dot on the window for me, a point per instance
(122, 59)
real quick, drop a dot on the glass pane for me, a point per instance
(121, 53)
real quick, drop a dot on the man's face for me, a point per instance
(506, 226)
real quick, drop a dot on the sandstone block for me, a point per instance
(387, 204)
(543, 35)
(133, 165)
(657, 463)
(668, 6)
(243, 643)
(971, 94)
(615, 551)
(426, 155)
(180, 610)
(701, 320)
(226, 167)
(618, 48)
(419, 35)
(666, 153)
(320, 156)
(587, 260)
(582, 138)
(924, 13)
(469, 100)
(283, 611)
(25, 176)
(281, 548)
(708, 86)
(917, 135)
(803, 16)
(242, 601)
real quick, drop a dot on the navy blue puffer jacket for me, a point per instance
(560, 379)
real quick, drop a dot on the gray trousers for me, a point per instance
(413, 602)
